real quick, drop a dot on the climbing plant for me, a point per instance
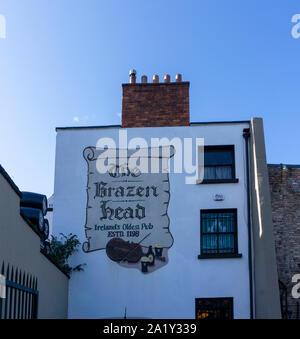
(62, 247)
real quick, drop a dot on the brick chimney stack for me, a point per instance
(155, 104)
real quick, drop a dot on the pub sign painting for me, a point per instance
(127, 209)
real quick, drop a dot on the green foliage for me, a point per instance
(61, 248)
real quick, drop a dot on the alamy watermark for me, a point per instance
(185, 155)
(2, 287)
(296, 288)
(2, 27)
(296, 28)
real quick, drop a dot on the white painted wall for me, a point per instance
(104, 289)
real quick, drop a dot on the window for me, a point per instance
(219, 164)
(214, 308)
(219, 233)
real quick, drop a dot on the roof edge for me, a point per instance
(87, 127)
(10, 181)
(119, 126)
(283, 165)
(220, 122)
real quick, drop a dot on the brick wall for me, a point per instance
(155, 104)
(285, 198)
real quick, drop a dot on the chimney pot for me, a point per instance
(167, 78)
(155, 79)
(178, 77)
(132, 76)
(144, 79)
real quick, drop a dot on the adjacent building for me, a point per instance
(285, 198)
(35, 287)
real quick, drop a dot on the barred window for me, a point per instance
(219, 232)
(214, 308)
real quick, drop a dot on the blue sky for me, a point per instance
(63, 62)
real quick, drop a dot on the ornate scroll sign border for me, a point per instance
(150, 248)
